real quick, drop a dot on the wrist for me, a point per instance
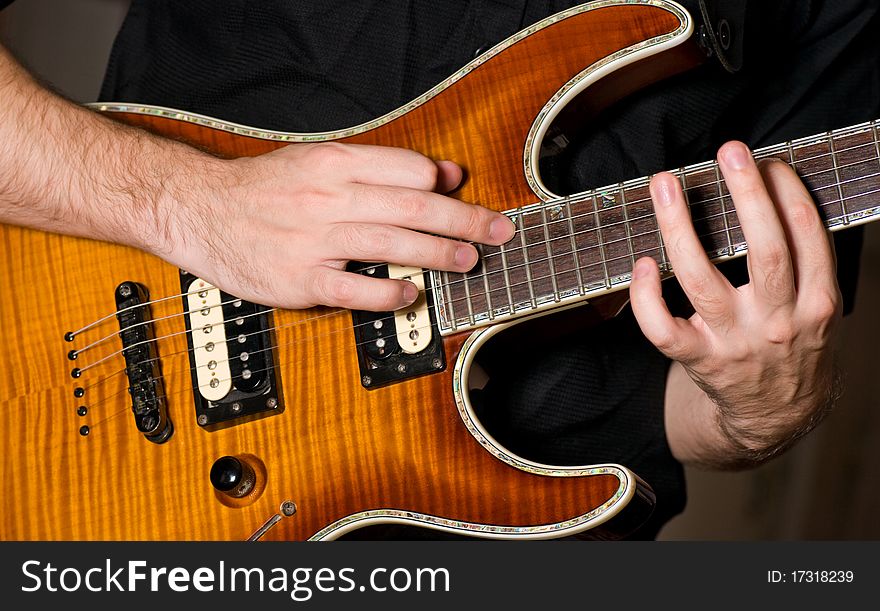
(182, 202)
(760, 434)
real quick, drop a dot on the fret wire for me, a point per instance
(467, 294)
(507, 275)
(791, 147)
(600, 240)
(837, 176)
(448, 291)
(682, 176)
(830, 220)
(626, 226)
(664, 263)
(720, 181)
(872, 128)
(549, 254)
(574, 248)
(687, 200)
(813, 142)
(876, 139)
(584, 197)
(522, 238)
(491, 310)
(723, 210)
(712, 216)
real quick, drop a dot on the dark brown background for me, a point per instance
(828, 487)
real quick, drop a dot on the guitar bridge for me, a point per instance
(142, 362)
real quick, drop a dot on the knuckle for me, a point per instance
(327, 155)
(710, 305)
(341, 289)
(773, 258)
(413, 205)
(781, 331)
(444, 254)
(381, 241)
(826, 306)
(366, 240)
(473, 224)
(802, 216)
(777, 282)
(737, 350)
(705, 299)
(749, 189)
(312, 198)
(426, 172)
(666, 342)
(676, 241)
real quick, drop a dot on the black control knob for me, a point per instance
(233, 476)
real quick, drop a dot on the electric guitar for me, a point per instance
(140, 402)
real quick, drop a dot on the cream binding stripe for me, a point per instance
(617, 60)
(589, 76)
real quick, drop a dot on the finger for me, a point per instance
(429, 212)
(769, 261)
(709, 292)
(376, 165)
(449, 176)
(368, 242)
(809, 242)
(337, 288)
(674, 337)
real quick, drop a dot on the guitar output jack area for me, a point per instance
(238, 480)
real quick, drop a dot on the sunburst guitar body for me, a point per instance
(188, 415)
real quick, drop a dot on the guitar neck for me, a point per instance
(587, 244)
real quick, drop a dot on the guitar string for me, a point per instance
(286, 344)
(100, 341)
(459, 299)
(798, 161)
(72, 334)
(657, 248)
(584, 198)
(85, 368)
(540, 244)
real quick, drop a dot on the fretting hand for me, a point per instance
(761, 353)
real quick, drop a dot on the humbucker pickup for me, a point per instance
(230, 353)
(396, 346)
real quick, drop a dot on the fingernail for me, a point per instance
(410, 293)
(501, 230)
(737, 156)
(661, 191)
(639, 271)
(464, 257)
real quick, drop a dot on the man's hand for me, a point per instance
(761, 353)
(279, 228)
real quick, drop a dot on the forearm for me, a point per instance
(705, 435)
(69, 170)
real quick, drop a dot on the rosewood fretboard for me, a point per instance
(587, 244)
